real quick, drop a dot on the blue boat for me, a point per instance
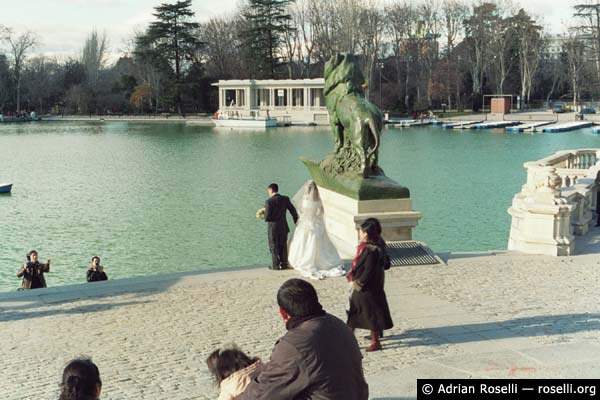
(5, 187)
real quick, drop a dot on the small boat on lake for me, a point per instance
(5, 187)
(21, 118)
(234, 119)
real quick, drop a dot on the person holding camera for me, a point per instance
(96, 272)
(33, 272)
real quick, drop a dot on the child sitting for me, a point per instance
(233, 370)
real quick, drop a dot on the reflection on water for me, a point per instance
(153, 198)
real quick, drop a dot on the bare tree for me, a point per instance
(348, 12)
(576, 60)
(322, 15)
(5, 82)
(454, 13)
(223, 46)
(430, 14)
(501, 47)
(480, 30)
(302, 17)
(369, 38)
(588, 15)
(402, 29)
(93, 56)
(291, 41)
(503, 44)
(37, 76)
(529, 39)
(555, 70)
(19, 45)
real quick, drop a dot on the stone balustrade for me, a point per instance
(557, 203)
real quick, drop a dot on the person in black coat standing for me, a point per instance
(276, 207)
(96, 272)
(369, 308)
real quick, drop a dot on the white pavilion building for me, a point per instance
(287, 100)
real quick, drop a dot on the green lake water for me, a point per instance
(160, 198)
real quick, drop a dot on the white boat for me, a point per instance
(245, 123)
(234, 119)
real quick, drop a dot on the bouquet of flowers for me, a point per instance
(260, 214)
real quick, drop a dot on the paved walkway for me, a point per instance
(482, 315)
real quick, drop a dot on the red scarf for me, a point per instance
(361, 247)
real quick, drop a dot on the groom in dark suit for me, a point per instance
(275, 215)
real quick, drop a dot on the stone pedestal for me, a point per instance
(343, 215)
(541, 229)
(541, 218)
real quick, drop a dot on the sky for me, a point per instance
(63, 25)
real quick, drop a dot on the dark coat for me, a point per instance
(368, 305)
(319, 359)
(95, 276)
(33, 272)
(275, 209)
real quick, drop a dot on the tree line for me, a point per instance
(415, 55)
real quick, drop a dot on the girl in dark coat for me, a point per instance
(368, 304)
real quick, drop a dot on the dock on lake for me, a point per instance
(494, 124)
(461, 124)
(567, 126)
(528, 127)
(408, 123)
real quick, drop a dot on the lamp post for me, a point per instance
(380, 66)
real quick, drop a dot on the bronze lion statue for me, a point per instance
(356, 122)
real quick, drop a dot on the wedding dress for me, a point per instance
(311, 251)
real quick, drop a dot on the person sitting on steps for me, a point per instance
(233, 370)
(80, 380)
(318, 357)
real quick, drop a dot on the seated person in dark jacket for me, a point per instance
(33, 272)
(318, 358)
(96, 271)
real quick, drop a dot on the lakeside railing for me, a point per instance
(557, 202)
(570, 165)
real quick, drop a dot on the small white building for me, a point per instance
(287, 100)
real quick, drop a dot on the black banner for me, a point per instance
(507, 389)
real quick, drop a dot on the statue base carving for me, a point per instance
(377, 187)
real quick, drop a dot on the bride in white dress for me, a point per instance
(311, 251)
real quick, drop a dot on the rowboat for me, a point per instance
(5, 187)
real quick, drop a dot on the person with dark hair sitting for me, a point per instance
(233, 371)
(318, 357)
(96, 272)
(80, 381)
(33, 272)
(368, 304)
(276, 207)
